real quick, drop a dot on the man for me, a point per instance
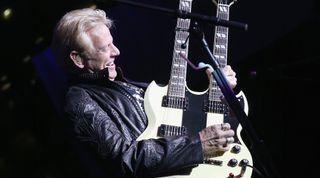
(105, 116)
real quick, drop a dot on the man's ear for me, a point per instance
(76, 58)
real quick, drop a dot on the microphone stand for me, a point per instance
(186, 15)
(257, 144)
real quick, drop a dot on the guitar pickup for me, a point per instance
(175, 102)
(215, 107)
(169, 130)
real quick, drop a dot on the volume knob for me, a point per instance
(233, 162)
(244, 162)
(236, 149)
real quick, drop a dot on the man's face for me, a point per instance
(104, 52)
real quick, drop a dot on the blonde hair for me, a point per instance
(70, 34)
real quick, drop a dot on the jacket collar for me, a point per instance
(101, 76)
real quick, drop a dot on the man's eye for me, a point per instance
(104, 49)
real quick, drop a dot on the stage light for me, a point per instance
(7, 14)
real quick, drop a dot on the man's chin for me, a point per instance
(112, 75)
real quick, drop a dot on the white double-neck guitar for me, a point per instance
(176, 110)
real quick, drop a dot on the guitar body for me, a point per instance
(195, 117)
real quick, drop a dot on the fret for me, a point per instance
(223, 11)
(215, 93)
(183, 24)
(185, 5)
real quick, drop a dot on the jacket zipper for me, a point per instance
(123, 91)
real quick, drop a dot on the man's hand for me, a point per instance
(230, 76)
(215, 139)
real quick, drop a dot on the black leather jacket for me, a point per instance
(106, 121)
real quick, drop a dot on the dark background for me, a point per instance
(276, 61)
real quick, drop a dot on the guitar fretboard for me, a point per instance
(220, 51)
(176, 86)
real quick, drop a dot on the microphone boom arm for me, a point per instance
(187, 15)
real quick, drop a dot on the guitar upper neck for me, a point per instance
(176, 86)
(220, 49)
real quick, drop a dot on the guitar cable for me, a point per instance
(200, 66)
(243, 170)
(256, 170)
(184, 44)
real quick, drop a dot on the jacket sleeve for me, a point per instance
(123, 155)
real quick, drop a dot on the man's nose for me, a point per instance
(115, 51)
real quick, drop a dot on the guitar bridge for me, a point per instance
(169, 130)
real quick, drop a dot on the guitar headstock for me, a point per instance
(226, 2)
